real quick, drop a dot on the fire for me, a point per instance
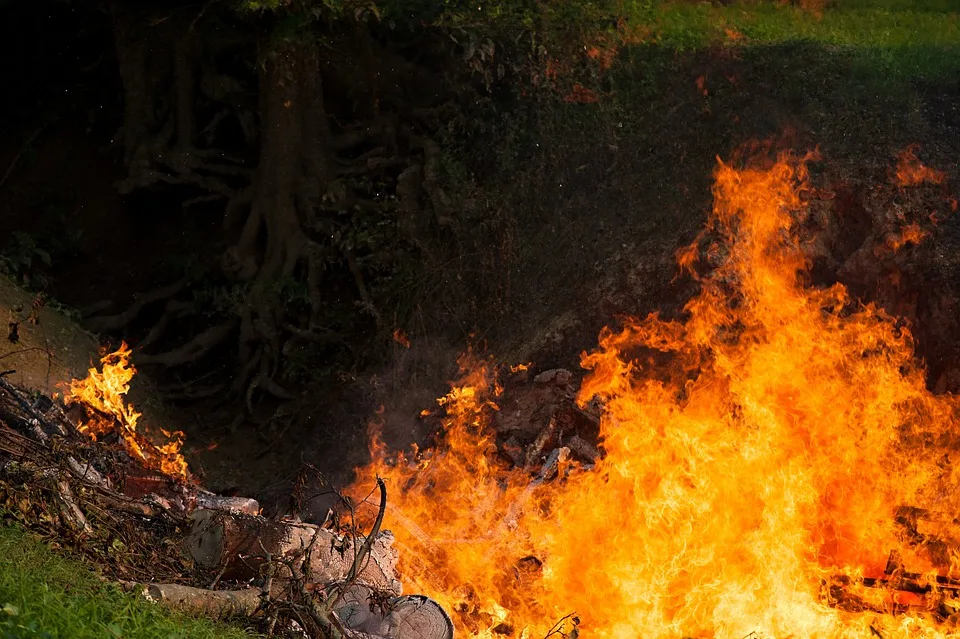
(401, 338)
(910, 234)
(756, 452)
(104, 391)
(911, 171)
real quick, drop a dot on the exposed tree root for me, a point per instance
(107, 323)
(175, 309)
(294, 218)
(194, 349)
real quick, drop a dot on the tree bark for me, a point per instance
(294, 167)
(185, 50)
(138, 73)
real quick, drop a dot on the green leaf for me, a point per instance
(10, 609)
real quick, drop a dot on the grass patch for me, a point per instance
(899, 39)
(45, 595)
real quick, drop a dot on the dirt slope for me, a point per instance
(47, 353)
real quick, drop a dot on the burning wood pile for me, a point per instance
(82, 471)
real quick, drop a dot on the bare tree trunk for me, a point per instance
(185, 48)
(292, 176)
(138, 72)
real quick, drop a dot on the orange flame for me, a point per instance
(581, 94)
(702, 85)
(401, 338)
(911, 234)
(104, 391)
(911, 171)
(767, 459)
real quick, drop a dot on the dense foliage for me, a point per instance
(349, 156)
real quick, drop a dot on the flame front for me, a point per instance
(755, 450)
(104, 391)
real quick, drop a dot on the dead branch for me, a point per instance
(87, 473)
(585, 451)
(70, 513)
(30, 410)
(211, 501)
(558, 628)
(217, 604)
(129, 506)
(364, 551)
(13, 443)
(535, 451)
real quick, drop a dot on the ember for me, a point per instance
(911, 171)
(758, 456)
(103, 391)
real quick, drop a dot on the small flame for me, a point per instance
(401, 338)
(104, 391)
(912, 172)
(911, 234)
(702, 85)
(733, 35)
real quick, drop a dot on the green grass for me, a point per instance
(45, 595)
(893, 37)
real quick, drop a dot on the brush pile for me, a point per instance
(165, 536)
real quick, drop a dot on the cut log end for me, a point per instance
(409, 617)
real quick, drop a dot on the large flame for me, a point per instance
(104, 391)
(756, 451)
